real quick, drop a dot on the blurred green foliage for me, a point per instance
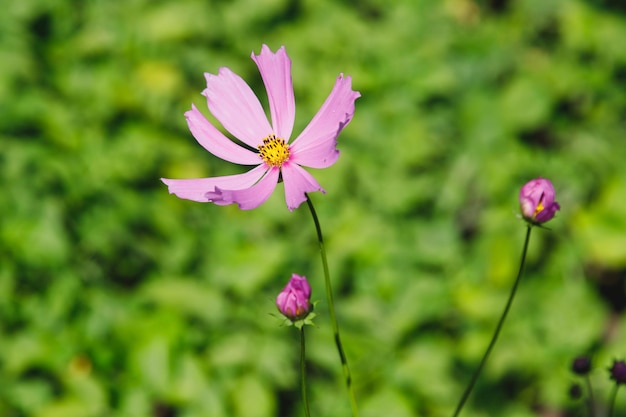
(117, 299)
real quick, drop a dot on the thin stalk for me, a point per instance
(494, 338)
(305, 398)
(331, 310)
(590, 401)
(612, 401)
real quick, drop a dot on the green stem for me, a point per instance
(305, 398)
(590, 402)
(331, 310)
(470, 387)
(612, 401)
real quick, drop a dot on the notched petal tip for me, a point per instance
(208, 77)
(347, 79)
(315, 147)
(233, 103)
(275, 69)
(265, 49)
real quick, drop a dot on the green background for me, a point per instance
(118, 299)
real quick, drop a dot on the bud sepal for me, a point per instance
(300, 323)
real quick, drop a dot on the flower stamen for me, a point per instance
(274, 151)
(539, 207)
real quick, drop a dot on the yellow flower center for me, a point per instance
(274, 151)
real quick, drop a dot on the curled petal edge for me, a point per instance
(335, 114)
(247, 198)
(196, 189)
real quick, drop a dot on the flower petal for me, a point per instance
(196, 189)
(275, 70)
(215, 142)
(547, 213)
(315, 146)
(248, 198)
(320, 155)
(233, 103)
(297, 182)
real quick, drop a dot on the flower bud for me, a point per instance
(575, 391)
(618, 372)
(294, 300)
(537, 201)
(581, 365)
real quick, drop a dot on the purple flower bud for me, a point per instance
(618, 372)
(575, 391)
(537, 201)
(581, 365)
(294, 300)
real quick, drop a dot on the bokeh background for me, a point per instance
(118, 299)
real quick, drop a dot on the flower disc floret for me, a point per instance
(274, 151)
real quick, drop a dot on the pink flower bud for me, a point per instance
(294, 300)
(537, 201)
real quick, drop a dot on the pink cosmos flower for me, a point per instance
(294, 300)
(537, 201)
(267, 147)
